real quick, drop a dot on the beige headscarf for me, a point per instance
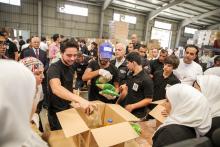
(17, 90)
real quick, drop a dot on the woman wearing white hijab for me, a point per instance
(209, 86)
(17, 90)
(189, 117)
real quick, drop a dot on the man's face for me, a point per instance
(154, 53)
(79, 59)
(104, 61)
(168, 68)
(35, 42)
(6, 35)
(142, 51)
(190, 55)
(130, 47)
(162, 57)
(119, 51)
(130, 66)
(3, 45)
(134, 38)
(217, 64)
(69, 56)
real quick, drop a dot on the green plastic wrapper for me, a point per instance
(137, 128)
(106, 86)
(109, 92)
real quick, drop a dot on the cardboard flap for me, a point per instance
(117, 133)
(57, 139)
(156, 113)
(159, 101)
(71, 122)
(127, 116)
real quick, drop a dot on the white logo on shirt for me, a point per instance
(135, 87)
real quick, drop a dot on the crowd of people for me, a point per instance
(192, 94)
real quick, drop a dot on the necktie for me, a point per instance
(37, 53)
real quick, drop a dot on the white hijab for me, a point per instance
(209, 85)
(189, 108)
(17, 90)
(213, 71)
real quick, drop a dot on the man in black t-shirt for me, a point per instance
(138, 91)
(157, 64)
(101, 67)
(60, 79)
(165, 77)
(12, 50)
(80, 67)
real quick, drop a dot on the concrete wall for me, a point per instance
(24, 17)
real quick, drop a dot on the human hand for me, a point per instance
(129, 107)
(105, 74)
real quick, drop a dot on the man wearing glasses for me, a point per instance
(3, 46)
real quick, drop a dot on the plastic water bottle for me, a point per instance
(109, 122)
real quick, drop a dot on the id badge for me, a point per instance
(135, 87)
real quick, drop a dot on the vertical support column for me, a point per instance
(178, 37)
(147, 30)
(39, 14)
(101, 24)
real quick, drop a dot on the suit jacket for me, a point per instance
(29, 52)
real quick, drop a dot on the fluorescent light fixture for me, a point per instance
(11, 2)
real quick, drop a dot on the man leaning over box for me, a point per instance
(60, 79)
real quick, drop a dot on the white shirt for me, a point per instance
(187, 73)
(25, 46)
(43, 46)
(213, 71)
(117, 64)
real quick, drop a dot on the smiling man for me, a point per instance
(3, 46)
(60, 79)
(188, 69)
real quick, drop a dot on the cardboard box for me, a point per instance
(92, 131)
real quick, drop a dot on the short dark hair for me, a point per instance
(55, 37)
(173, 60)
(134, 56)
(95, 44)
(143, 46)
(43, 38)
(83, 41)
(192, 46)
(163, 51)
(217, 58)
(28, 40)
(20, 37)
(68, 43)
(2, 34)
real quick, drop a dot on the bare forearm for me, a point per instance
(142, 103)
(90, 75)
(66, 94)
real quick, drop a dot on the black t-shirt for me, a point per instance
(93, 52)
(122, 71)
(160, 84)
(146, 65)
(155, 65)
(12, 48)
(65, 74)
(81, 67)
(93, 89)
(140, 86)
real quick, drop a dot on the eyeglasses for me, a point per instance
(3, 43)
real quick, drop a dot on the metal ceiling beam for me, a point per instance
(157, 12)
(213, 27)
(106, 4)
(193, 19)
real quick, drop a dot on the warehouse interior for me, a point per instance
(185, 35)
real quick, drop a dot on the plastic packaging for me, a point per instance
(109, 92)
(109, 122)
(137, 128)
(106, 86)
(102, 80)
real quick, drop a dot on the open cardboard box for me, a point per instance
(92, 131)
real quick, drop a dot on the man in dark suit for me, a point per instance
(36, 52)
